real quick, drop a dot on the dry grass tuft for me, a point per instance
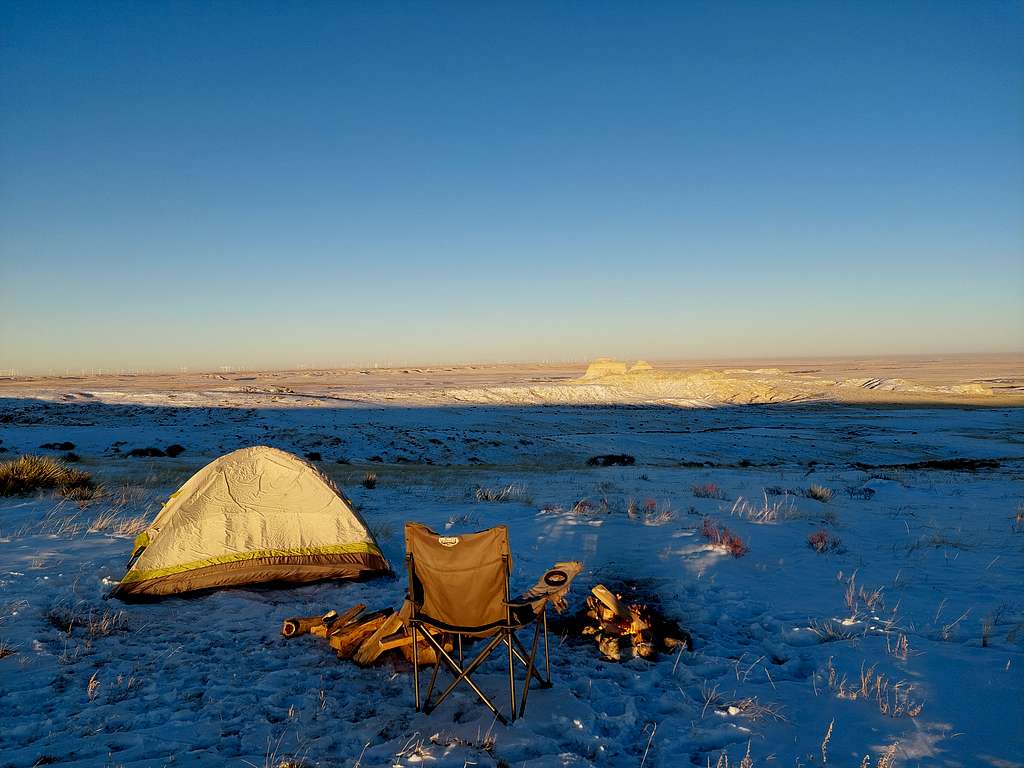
(723, 760)
(766, 512)
(898, 649)
(819, 493)
(831, 631)
(888, 758)
(720, 536)
(94, 623)
(822, 542)
(651, 512)
(583, 507)
(750, 708)
(28, 474)
(369, 481)
(508, 493)
(894, 699)
(93, 688)
(855, 597)
(6, 649)
(484, 742)
(708, 491)
(119, 525)
(826, 740)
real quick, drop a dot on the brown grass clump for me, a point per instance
(27, 474)
(721, 536)
(369, 480)
(6, 649)
(819, 493)
(508, 493)
(822, 542)
(583, 507)
(708, 491)
(94, 623)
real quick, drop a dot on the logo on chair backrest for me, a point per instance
(447, 541)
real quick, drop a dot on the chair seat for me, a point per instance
(522, 615)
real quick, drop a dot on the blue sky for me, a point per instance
(268, 185)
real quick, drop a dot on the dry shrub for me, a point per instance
(720, 536)
(93, 622)
(708, 491)
(651, 513)
(6, 649)
(822, 541)
(28, 474)
(369, 481)
(819, 493)
(583, 507)
(508, 493)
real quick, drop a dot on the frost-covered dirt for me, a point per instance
(208, 680)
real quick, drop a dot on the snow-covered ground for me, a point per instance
(935, 556)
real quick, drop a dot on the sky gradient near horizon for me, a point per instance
(274, 185)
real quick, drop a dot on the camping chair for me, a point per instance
(459, 588)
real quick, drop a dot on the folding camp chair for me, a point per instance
(458, 589)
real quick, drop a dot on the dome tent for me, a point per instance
(255, 515)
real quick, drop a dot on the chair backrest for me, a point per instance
(459, 582)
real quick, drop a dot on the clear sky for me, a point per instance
(269, 185)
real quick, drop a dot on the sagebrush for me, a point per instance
(28, 474)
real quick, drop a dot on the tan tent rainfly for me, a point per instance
(255, 515)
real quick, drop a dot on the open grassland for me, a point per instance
(850, 576)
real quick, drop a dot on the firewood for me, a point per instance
(610, 601)
(609, 648)
(303, 625)
(343, 621)
(347, 641)
(427, 655)
(372, 647)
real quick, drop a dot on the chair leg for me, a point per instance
(547, 657)
(464, 674)
(529, 669)
(522, 654)
(512, 677)
(433, 679)
(415, 666)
